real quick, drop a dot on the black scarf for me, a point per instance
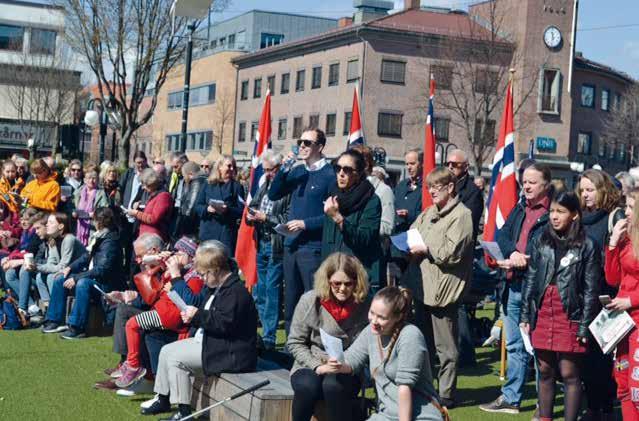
(355, 198)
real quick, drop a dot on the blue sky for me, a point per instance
(615, 47)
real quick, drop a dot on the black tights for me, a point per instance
(336, 390)
(568, 364)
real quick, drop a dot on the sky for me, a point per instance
(608, 29)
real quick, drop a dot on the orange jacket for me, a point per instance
(42, 195)
(6, 197)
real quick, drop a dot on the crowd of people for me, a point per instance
(151, 248)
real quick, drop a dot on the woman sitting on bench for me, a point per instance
(338, 306)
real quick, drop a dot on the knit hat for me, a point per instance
(186, 245)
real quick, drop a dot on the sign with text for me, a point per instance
(16, 135)
(546, 144)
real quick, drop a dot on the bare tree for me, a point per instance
(130, 45)
(622, 126)
(222, 118)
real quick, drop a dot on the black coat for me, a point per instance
(189, 197)
(405, 198)
(470, 195)
(221, 227)
(230, 329)
(106, 255)
(577, 281)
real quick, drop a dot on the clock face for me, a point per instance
(552, 37)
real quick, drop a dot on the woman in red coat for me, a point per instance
(622, 271)
(156, 216)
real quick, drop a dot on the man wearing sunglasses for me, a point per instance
(309, 186)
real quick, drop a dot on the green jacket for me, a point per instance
(359, 237)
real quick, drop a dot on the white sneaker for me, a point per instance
(33, 310)
(147, 404)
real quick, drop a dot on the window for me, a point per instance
(299, 83)
(617, 102)
(286, 82)
(352, 71)
(213, 44)
(42, 41)
(603, 147)
(316, 82)
(587, 96)
(241, 132)
(314, 120)
(443, 76)
(333, 74)
(549, 91)
(254, 126)
(622, 152)
(389, 124)
(486, 81)
(268, 40)
(347, 123)
(231, 42)
(393, 71)
(202, 95)
(611, 150)
(241, 40)
(331, 120)
(244, 90)
(605, 99)
(297, 127)
(484, 131)
(208, 141)
(442, 126)
(222, 42)
(584, 142)
(270, 82)
(281, 129)
(175, 100)
(190, 141)
(11, 37)
(257, 88)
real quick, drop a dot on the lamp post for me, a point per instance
(92, 119)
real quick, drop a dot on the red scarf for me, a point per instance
(339, 311)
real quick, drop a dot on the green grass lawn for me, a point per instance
(45, 377)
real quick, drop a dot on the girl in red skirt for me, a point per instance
(622, 270)
(559, 300)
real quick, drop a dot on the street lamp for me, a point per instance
(108, 116)
(189, 9)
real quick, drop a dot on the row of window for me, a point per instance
(41, 41)
(200, 95)
(607, 150)
(588, 98)
(195, 141)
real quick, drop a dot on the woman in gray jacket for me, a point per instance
(338, 306)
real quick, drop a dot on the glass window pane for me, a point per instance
(42, 41)
(11, 37)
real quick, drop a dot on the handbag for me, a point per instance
(150, 282)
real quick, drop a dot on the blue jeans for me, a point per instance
(518, 358)
(270, 272)
(19, 280)
(44, 282)
(84, 290)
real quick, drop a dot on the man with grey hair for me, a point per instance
(265, 215)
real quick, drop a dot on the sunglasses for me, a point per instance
(75, 170)
(337, 285)
(347, 170)
(457, 165)
(307, 143)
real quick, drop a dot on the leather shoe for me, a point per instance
(175, 417)
(156, 408)
(105, 385)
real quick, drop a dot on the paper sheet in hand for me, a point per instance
(405, 240)
(217, 204)
(610, 327)
(282, 229)
(493, 250)
(177, 300)
(105, 294)
(527, 344)
(66, 191)
(332, 345)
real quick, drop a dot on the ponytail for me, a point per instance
(400, 301)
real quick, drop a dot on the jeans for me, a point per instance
(44, 282)
(267, 291)
(299, 267)
(518, 358)
(84, 290)
(19, 280)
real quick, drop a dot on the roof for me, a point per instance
(584, 63)
(32, 4)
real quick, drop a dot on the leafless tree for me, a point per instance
(130, 45)
(222, 118)
(622, 126)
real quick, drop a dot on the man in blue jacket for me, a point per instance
(309, 186)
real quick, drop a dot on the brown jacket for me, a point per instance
(447, 269)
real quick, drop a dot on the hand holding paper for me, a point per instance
(332, 345)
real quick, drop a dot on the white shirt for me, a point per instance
(317, 166)
(199, 334)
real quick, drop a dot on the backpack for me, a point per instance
(10, 317)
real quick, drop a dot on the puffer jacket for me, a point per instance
(577, 278)
(43, 195)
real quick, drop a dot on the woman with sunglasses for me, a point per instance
(353, 213)
(338, 305)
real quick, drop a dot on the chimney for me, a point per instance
(412, 4)
(344, 22)
(367, 10)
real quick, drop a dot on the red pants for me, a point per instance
(133, 340)
(626, 373)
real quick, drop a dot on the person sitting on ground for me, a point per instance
(86, 199)
(104, 263)
(395, 352)
(156, 216)
(43, 192)
(226, 339)
(338, 305)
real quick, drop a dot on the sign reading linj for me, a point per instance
(12, 134)
(546, 144)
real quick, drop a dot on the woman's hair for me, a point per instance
(9, 163)
(441, 176)
(62, 219)
(367, 153)
(358, 160)
(31, 215)
(106, 170)
(93, 173)
(576, 234)
(105, 218)
(150, 178)
(351, 266)
(400, 302)
(607, 197)
(633, 224)
(212, 255)
(215, 176)
(39, 166)
(190, 167)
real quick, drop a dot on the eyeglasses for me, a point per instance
(347, 170)
(307, 143)
(338, 285)
(437, 188)
(457, 165)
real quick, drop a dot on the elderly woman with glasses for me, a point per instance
(353, 214)
(220, 204)
(156, 216)
(337, 305)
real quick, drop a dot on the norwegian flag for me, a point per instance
(429, 147)
(246, 248)
(502, 197)
(355, 133)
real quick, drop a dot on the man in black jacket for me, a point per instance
(131, 192)
(194, 180)
(408, 193)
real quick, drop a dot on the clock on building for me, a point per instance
(552, 37)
